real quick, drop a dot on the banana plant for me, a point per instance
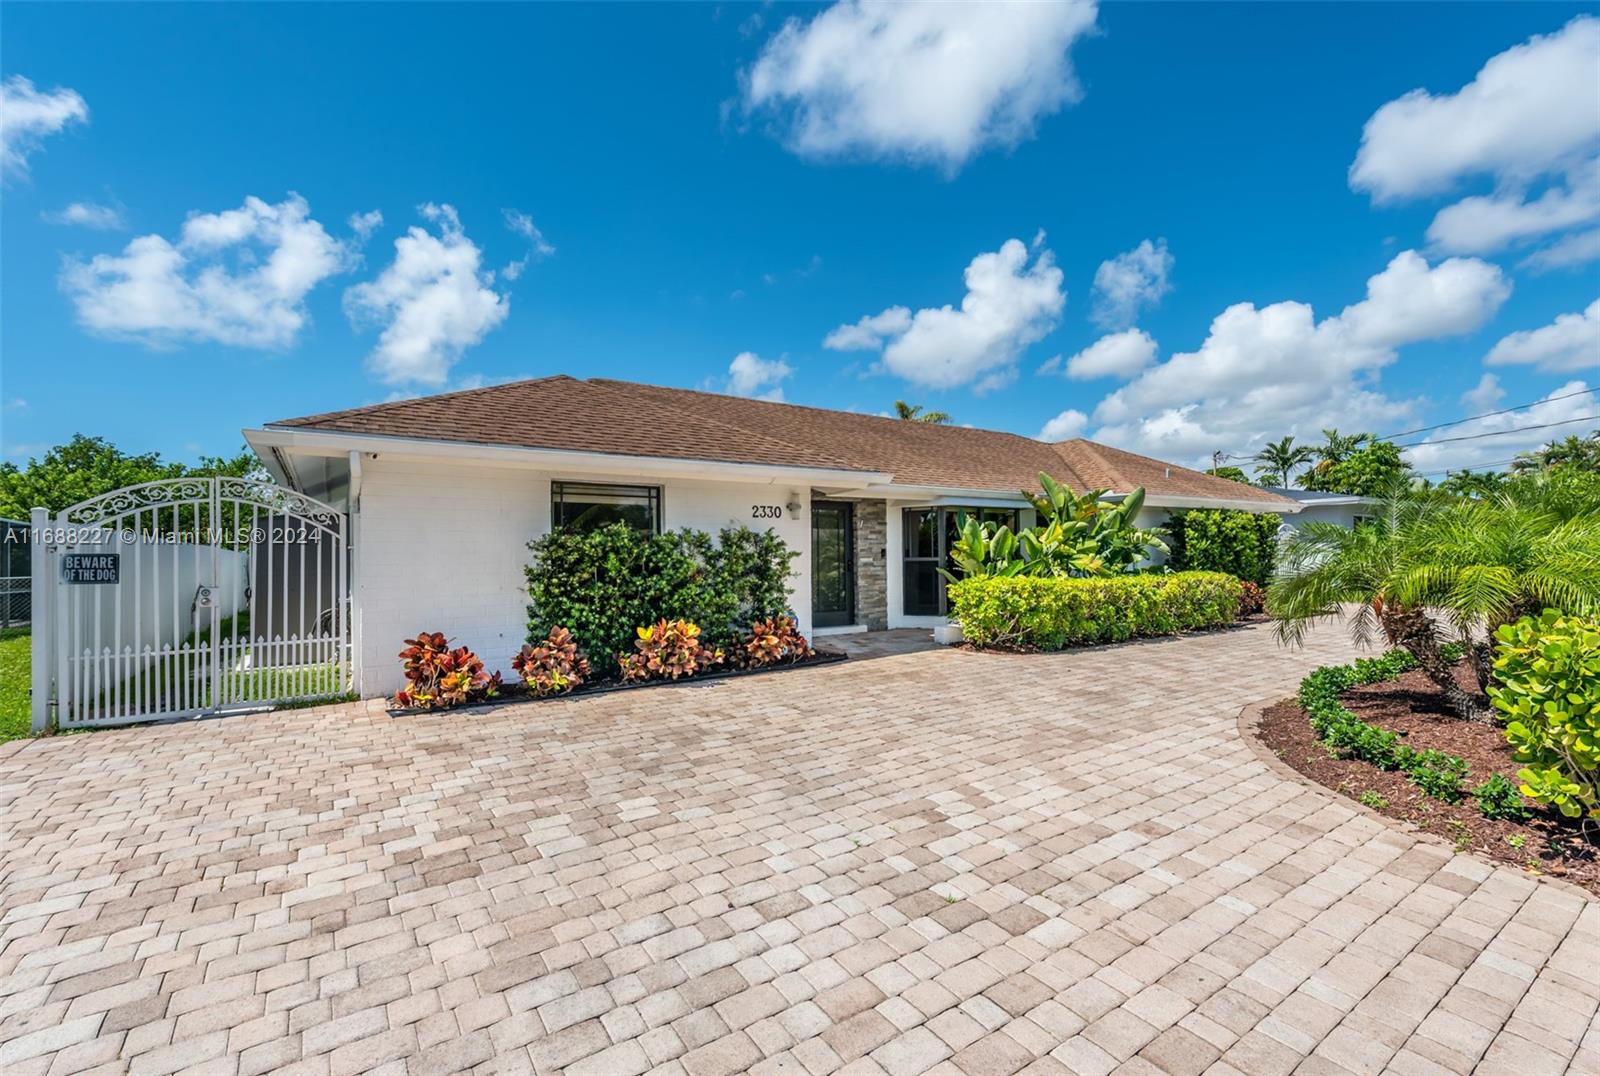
(982, 549)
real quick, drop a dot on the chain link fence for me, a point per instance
(16, 575)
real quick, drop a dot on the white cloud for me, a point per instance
(1265, 372)
(751, 375)
(870, 332)
(523, 225)
(1573, 250)
(1570, 343)
(435, 299)
(1445, 449)
(1129, 281)
(1527, 119)
(1485, 395)
(27, 116)
(239, 277)
(1065, 426)
(927, 83)
(364, 224)
(1009, 304)
(87, 215)
(1119, 355)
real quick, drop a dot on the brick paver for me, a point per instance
(932, 861)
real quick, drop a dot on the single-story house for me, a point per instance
(445, 492)
(1345, 509)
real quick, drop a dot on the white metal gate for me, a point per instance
(188, 596)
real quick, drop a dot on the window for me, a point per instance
(584, 506)
(928, 534)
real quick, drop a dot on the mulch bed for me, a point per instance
(514, 691)
(1411, 706)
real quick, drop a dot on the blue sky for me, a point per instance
(650, 192)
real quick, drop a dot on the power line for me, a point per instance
(1488, 414)
(1501, 433)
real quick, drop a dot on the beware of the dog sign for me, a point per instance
(91, 567)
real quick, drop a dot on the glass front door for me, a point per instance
(833, 589)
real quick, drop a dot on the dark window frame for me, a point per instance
(562, 495)
(945, 517)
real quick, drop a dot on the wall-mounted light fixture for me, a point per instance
(793, 506)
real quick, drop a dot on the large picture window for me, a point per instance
(584, 506)
(929, 534)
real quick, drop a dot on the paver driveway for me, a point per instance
(943, 860)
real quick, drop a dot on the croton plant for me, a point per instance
(554, 667)
(667, 650)
(773, 641)
(438, 677)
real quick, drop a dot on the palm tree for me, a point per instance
(1429, 568)
(915, 413)
(1573, 451)
(1470, 483)
(1279, 459)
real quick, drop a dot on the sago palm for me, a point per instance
(1425, 570)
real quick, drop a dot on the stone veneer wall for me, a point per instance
(872, 564)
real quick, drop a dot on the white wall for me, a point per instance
(442, 547)
(151, 605)
(1342, 514)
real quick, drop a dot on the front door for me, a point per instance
(833, 573)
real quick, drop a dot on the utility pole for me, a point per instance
(1216, 459)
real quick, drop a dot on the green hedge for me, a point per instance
(1243, 544)
(604, 584)
(1050, 613)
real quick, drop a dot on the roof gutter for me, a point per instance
(280, 440)
(1277, 506)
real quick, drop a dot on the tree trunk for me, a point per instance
(1413, 630)
(1483, 663)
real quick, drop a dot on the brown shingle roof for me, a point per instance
(601, 415)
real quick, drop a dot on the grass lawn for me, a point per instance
(16, 675)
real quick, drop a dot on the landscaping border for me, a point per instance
(510, 695)
(1248, 725)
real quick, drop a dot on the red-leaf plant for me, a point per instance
(554, 667)
(773, 641)
(438, 678)
(667, 650)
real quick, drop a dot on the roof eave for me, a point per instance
(338, 442)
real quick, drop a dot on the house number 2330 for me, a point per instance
(766, 511)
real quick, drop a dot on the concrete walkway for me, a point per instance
(935, 861)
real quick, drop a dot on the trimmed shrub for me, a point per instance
(1049, 613)
(1243, 544)
(1547, 673)
(1436, 773)
(602, 584)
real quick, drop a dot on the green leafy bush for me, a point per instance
(1243, 544)
(602, 584)
(1547, 683)
(1499, 798)
(1436, 773)
(1049, 613)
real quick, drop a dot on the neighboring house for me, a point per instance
(1344, 509)
(446, 492)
